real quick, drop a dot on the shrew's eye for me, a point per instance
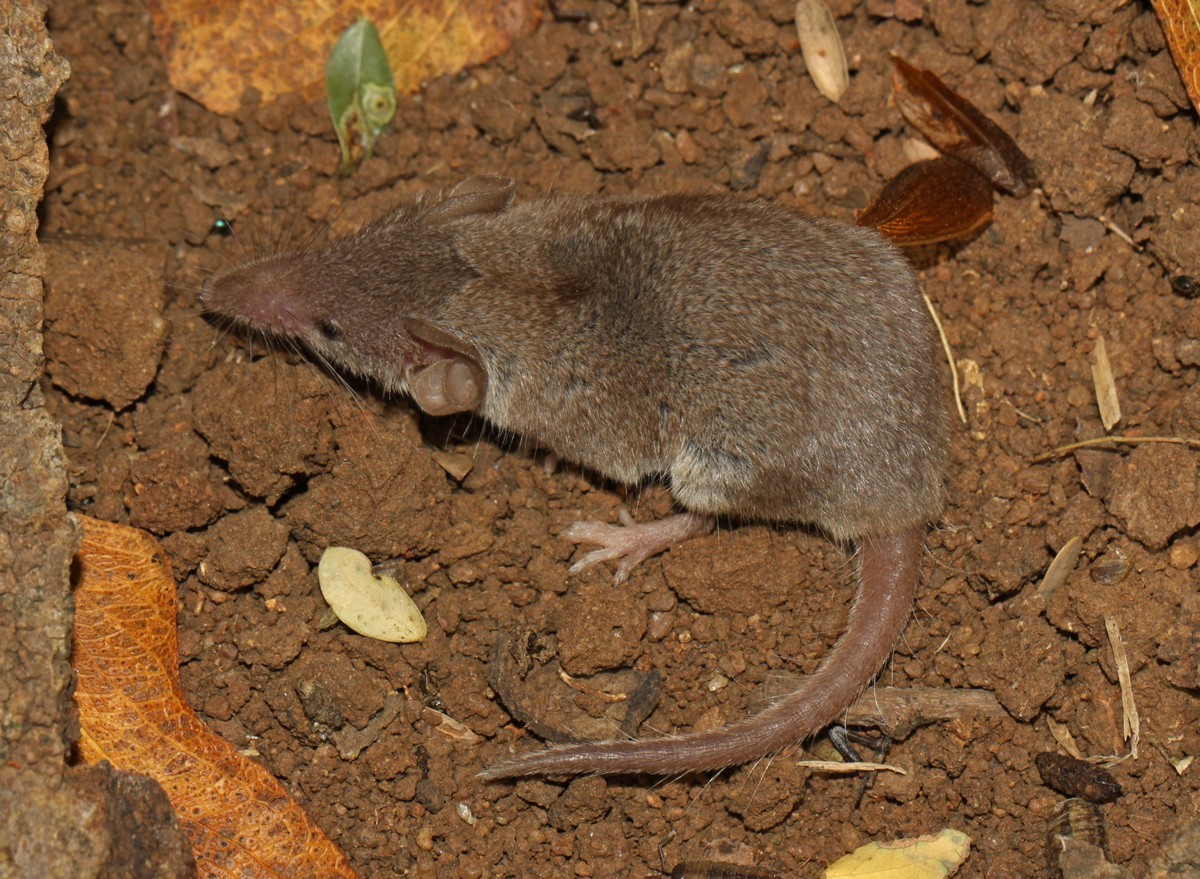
(329, 329)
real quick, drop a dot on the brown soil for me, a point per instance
(248, 462)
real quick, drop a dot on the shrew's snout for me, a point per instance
(264, 295)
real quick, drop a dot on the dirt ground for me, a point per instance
(248, 462)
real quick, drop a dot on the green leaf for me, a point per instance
(361, 91)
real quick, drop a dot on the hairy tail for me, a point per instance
(887, 581)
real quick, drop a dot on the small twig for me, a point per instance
(897, 711)
(112, 414)
(1119, 232)
(581, 687)
(1032, 419)
(962, 412)
(839, 767)
(1120, 440)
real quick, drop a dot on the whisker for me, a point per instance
(321, 228)
(289, 225)
(233, 235)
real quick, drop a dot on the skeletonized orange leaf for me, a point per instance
(215, 51)
(1181, 23)
(239, 819)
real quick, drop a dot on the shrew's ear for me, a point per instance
(446, 376)
(483, 194)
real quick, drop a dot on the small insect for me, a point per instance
(1077, 778)
(1186, 286)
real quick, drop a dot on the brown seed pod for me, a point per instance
(1077, 778)
(957, 127)
(936, 201)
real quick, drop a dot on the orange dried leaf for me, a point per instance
(1181, 23)
(239, 819)
(957, 127)
(215, 51)
(932, 202)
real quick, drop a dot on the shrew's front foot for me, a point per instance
(631, 543)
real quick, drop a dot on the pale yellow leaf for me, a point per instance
(925, 857)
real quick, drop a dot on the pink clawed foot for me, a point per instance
(632, 543)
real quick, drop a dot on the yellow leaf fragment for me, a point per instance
(1062, 735)
(925, 857)
(1131, 724)
(1181, 764)
(216, 52)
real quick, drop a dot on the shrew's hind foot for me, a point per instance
(631, 543)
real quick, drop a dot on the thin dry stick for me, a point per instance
(897, 711)
(846, 768)
(962, 413)
(1119, 232)
(635, 13)
(1130, 722)
(1105, 440)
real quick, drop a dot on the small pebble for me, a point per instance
(470, 867)
(659, 625)
(1184, 554)
(689, 151)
